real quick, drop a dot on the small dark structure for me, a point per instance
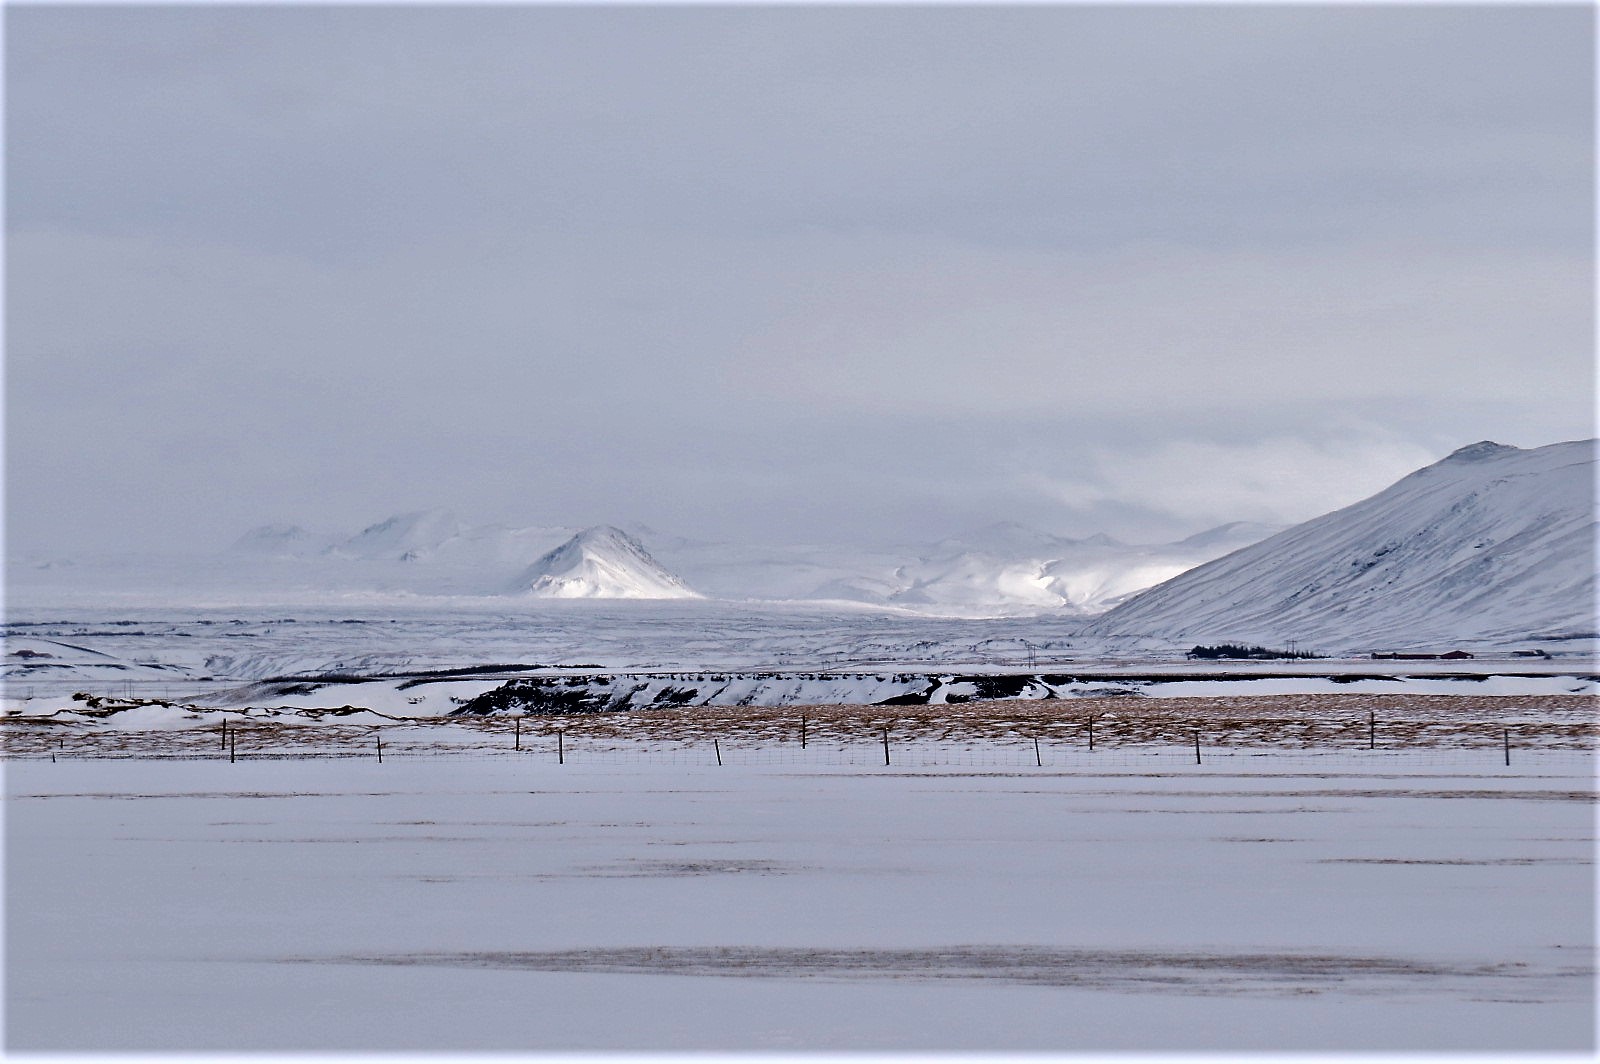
(1453, 655)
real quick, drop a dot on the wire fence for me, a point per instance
(881, 754)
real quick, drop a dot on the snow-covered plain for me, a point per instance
(1340, 902)
(611, 886)
(172, 651)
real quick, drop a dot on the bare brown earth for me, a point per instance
(1300, 722)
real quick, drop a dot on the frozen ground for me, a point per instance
(193, 653)
(611, 886)
(172, 651)
(1334, 901)
(996, 732)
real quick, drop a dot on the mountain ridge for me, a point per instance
(1489, 542)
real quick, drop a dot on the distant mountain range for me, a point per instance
(1492, 542)
(1002, 568)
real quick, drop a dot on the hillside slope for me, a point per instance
(1490, 543)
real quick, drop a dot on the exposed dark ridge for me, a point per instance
(426, 676)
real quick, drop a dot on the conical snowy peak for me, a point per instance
(601, 562)
(1492, 542)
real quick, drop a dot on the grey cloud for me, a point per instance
(345, 128)
(847, 272)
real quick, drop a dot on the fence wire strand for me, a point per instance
(1021, 756)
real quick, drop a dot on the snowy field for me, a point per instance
(177, 653)
(1430, 899)
(169, 652)
(200, 857)
(417, 661)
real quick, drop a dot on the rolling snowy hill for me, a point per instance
(601, 562)
(1010, 565)
(435, 538)
(282, 541)
(1490, 543)
(404, 537)
(1004, 568)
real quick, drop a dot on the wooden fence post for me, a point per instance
(885, 744)
(1505, 736)
(517, 745)
(380, 748)
(1372, 729)
(718, 748)
(802, 731)
(1197, 747)
(1036, 756)
(1091, 734)
(561, 753)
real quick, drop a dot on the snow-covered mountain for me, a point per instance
(1004, 568)
(601, 562)
(494, 550)
(403, 537)
(762, 571)
(1013, 566)
(1492, 542)
(440, 539)
(282, 541)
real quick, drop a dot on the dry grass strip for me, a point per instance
(1321, 721)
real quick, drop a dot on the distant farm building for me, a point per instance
(1449, 655)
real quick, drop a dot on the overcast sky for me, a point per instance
(834, 273)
